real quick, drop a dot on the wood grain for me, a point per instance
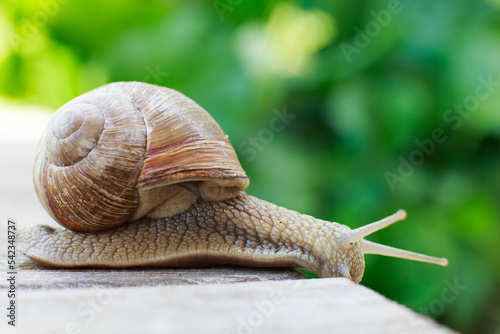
(323, 305)
(33, 276)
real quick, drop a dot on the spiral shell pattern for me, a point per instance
(84, 174)
(76, 128)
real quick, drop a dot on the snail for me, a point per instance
(141, 175)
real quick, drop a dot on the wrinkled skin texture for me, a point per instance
(242, 231)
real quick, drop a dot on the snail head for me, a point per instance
(352, 242)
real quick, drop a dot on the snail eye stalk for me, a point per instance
(370, 247)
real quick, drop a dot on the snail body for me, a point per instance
(141, 175)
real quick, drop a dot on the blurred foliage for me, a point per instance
(366, 84)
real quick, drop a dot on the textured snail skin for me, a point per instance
(242, 231)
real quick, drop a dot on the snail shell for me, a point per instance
(127, 150)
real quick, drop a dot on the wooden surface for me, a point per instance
(32, 276)
(162, 300)
(301, 306)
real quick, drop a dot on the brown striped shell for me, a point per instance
(130, 149)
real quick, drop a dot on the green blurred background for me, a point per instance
(389, 105)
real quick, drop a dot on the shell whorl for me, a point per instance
(89, 188)
(113, 154)
(76, 128)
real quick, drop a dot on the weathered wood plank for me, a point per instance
(32, 276)
(301, 306)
